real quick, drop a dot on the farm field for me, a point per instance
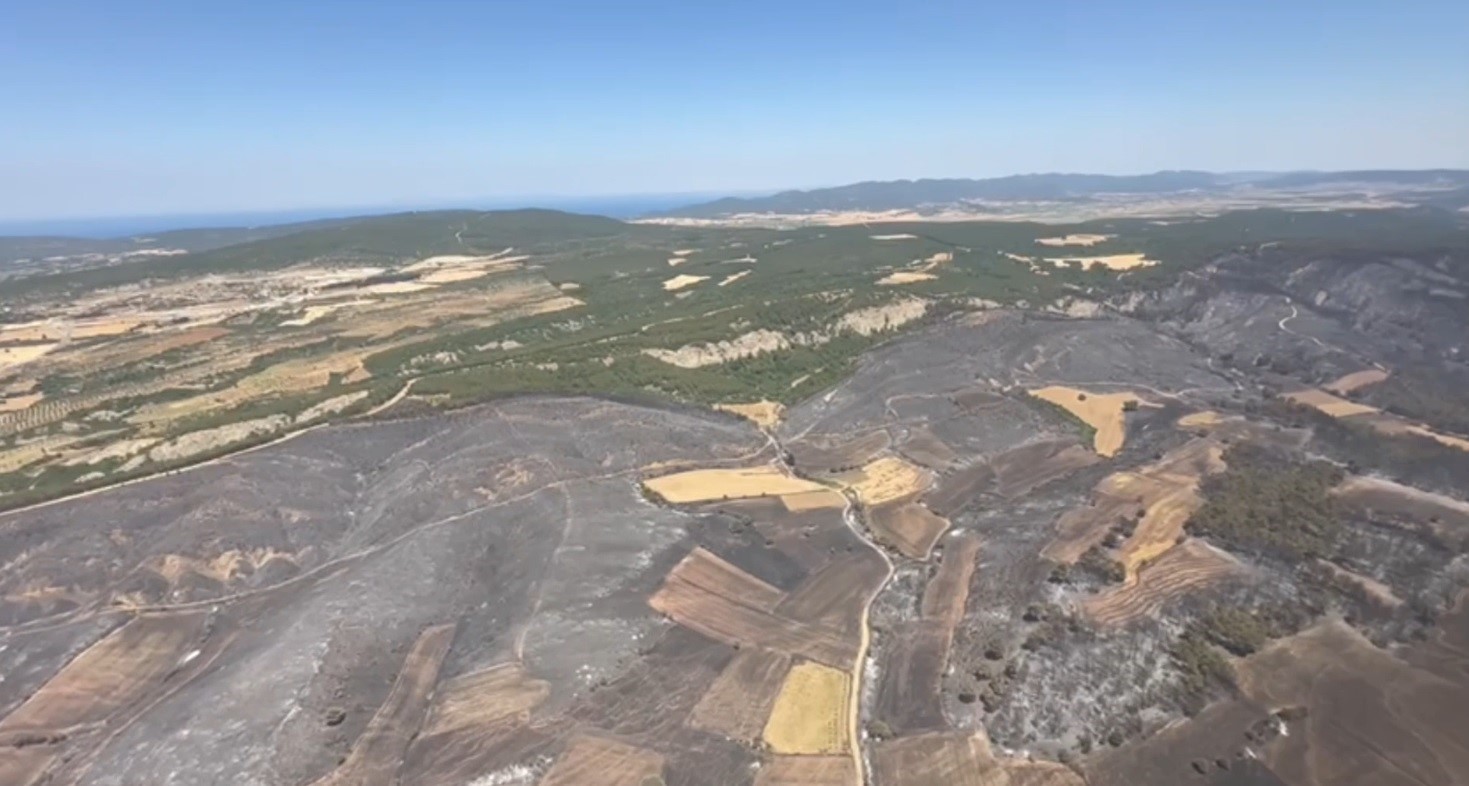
(475, 499)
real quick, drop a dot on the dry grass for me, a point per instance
(1101, 411)
(596, 761)
(1074, 240)
(1329, 404)
(765, 414)
(810, 712)
(886, 480)
(682, 282)
(1356, 381)
(704, 485)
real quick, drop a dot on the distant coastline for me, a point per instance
(626, 206)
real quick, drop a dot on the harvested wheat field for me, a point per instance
(948, 591)
(807, 771)
(830, 597)
(1371, 717)
(718, 600)
(909, 527)
(704, 485)
(1074, 240)
(960, 759)
(810, 713)
(813, 500)
(705, 569)
(1159, 496)
(1181, 570)
(765, 414)
(1101, 411)
(886, 480)
(597, 761)
(904, 277)
(483, 698)
(682, 282)
(1355, 381)
(1329, 404)
(739, 701)
(109, 676)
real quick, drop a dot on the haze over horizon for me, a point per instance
(168, 108)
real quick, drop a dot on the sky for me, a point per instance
(129, 108)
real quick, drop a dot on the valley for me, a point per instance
(479, 499)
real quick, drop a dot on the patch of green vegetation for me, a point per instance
(1202, 666)
(1269, 503)
(1236, 630)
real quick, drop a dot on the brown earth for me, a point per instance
(738, 703)
(909, 527)
(597, 761)
(1371, 718)
(737, 609)
(379, 751)
(807, 771)
(1181, 570)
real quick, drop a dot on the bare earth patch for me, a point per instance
(682, 282)
(904, 277)
(1074, 240)
(887, 479)
(765, 414)
(1113, 262)
(1355, 381)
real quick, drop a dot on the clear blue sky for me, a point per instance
(134, 107)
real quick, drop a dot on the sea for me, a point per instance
(622, 207)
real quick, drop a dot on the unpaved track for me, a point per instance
(852, 519)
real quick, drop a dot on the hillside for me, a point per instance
(371, 239)
(930, 194)
(1152, 503)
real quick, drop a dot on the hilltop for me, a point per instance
(938, 196)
